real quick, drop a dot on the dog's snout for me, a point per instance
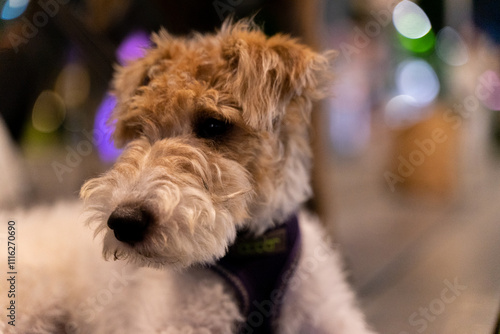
(130, 223)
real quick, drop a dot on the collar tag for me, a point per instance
(273, 242)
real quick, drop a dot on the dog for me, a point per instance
(200, 218)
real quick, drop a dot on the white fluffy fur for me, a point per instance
(63, 283)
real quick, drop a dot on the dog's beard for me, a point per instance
(191, 232)
(196, 214)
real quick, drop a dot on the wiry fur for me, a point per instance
(199, 199)
(200, 190)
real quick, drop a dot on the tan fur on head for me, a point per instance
(202, 188)
(270, 72)
(239, 68)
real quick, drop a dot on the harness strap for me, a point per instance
(259, 269)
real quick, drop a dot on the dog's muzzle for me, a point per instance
(130, 223)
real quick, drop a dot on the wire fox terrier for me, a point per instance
(202, 209)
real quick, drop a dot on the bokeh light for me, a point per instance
(350, 111)
(48, 112)
(402, 111)
(489, 90)
(451, 48)
(13, 9)
(133, 46)
(349, 131)
(102, 130)
(73, 84)
(417, 79)
(419, 45)
(410, 20)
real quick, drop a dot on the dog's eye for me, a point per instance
(212, 128)
(145, 81)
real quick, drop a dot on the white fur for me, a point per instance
(85, 294)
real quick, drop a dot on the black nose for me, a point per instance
(130, 223)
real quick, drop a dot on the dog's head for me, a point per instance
(215, 130)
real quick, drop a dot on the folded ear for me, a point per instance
(268, 73)
(128, 80)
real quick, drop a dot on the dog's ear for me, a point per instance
(268, 73)
(126, 82)
(130, 79)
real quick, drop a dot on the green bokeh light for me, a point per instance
(419, 45)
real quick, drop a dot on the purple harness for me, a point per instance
(259, 269)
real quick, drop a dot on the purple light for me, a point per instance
(133, 47)
(103, 131)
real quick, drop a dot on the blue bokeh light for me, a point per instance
(417, 78)
(13, 9)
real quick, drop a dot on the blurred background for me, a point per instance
(407, 150)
